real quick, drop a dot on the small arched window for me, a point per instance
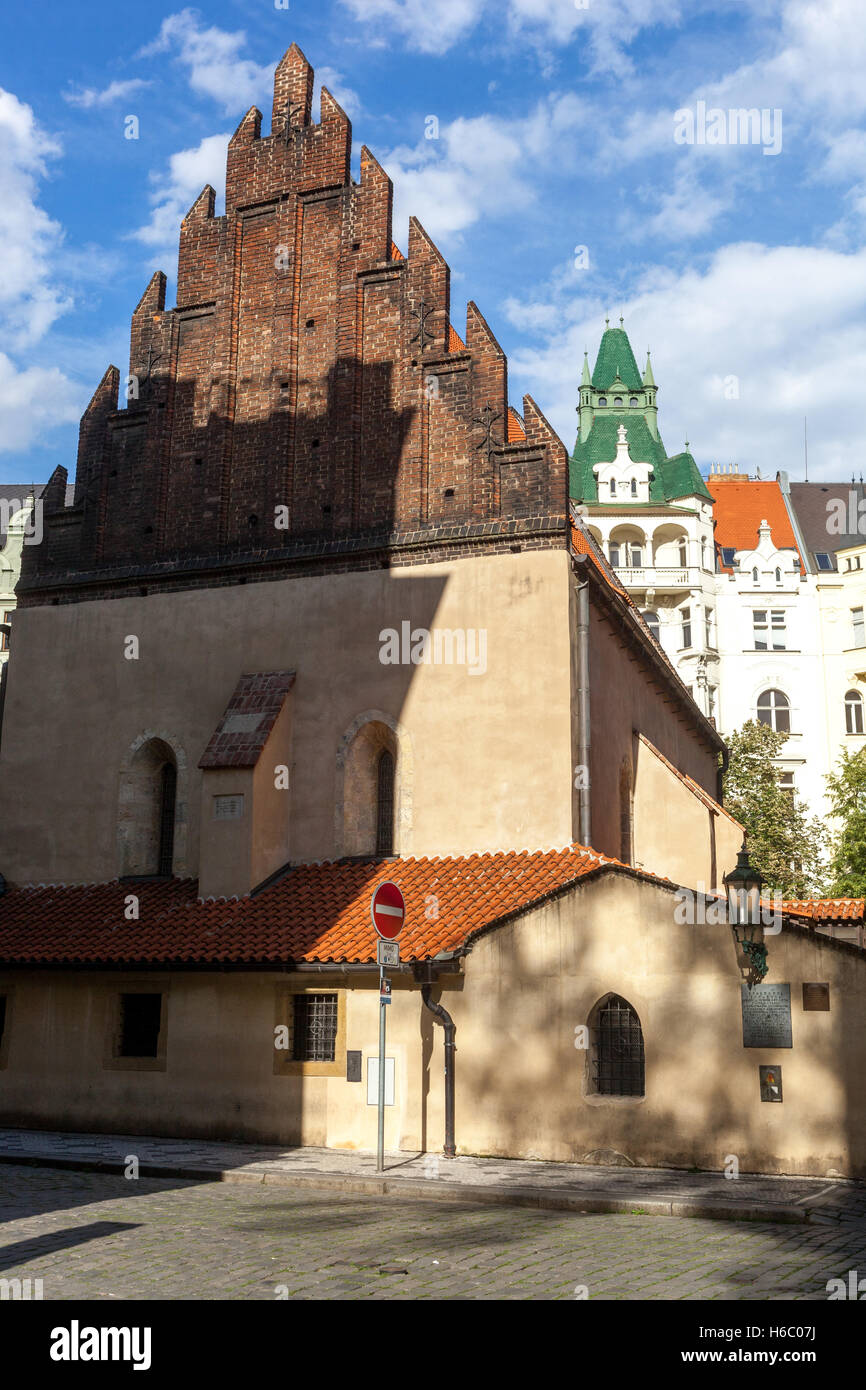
(633, 401)
(602, 400)
(774, 709)
(617, 400)
(754, 576)
(617, 1061)
(613, 487)
(634, 487)
(778, 576)
(385, 804)
(652, 621)
(854, 712)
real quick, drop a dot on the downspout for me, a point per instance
(448, 1024)
(583, 734)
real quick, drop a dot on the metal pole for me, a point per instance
(380, 1147)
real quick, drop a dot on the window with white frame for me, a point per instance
(774, 709)
(853, 712)
(857, 624)
(769, 630)
(686, 617)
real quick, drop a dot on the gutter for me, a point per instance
(442, 1016)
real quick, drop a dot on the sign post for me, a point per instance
(388, 911)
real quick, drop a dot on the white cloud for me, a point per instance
(336, 85)
(788, 322)
(479, 166)
(33, 401)
(30, 296)
(176, 190)
(87, 97)
(426, 27)
(213, 58)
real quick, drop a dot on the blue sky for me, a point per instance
(557, 188)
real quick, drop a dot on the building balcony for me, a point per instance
(658, 578)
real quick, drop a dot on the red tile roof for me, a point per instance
(826, 909)
(249, 717)
(516, 430)
(316, 912)
(455, 342)
(396, 253)
(741, 507)
(585, 544)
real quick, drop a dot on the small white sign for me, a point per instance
(388, 953)
(228, 807)
(373, 1080)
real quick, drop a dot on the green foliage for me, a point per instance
(787, 846)
(846, 790)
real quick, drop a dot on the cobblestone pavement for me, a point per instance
(97, 1236)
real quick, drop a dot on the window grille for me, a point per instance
(385, 805)
(618, 1052)
(314, 1034)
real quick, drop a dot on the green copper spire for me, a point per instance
(586, 379)
(615, 361)
(648, 378)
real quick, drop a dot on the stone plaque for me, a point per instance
(816, 997)
(771, 1083)
(766, 1016)
(353, 1066)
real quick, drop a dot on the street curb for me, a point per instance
(434, 1190)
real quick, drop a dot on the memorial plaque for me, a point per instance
(353, 1066)
(766, 1016)
(816, 997)
(771, 1083)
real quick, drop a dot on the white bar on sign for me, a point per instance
(373, 1081)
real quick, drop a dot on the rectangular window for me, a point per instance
(687, 626)
(708, 626)
(614, 554)
(314, 1028)
(769, 630)
(859, 632)
(140, 1016)
(637, 557)
(4, 637)
(728, 556)
(786, 782)
(823, 560)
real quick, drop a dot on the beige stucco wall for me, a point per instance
(218, 1079)
(675, 834)
(521, 1083)
(490, 754)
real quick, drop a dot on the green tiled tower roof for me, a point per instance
(615, 360)
(671, 478)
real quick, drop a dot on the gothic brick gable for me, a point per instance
(308, 386)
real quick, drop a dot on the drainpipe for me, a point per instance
(448, 1024)
(583, 746)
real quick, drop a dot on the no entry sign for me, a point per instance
(388, 910)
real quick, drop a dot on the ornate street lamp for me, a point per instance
(743, 886)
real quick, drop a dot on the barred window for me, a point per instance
(314, 1032)
(617, 1050)
(385, 805)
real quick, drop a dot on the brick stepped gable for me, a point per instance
(294, 372)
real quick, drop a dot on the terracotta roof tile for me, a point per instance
(455, 342)
(516, 430)
(826, 909)
(396, 253)
(315, 912)
(741, 507)
(584, 544)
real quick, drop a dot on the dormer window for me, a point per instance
(633, 402)
(602, 400)
(617, 400)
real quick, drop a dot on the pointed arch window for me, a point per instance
(618, 1064)
(385, 804)
(854, 712)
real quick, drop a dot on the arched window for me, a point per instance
(633, 401)
(617, 400)
(778, 576)
(617, 1058)
(385, 804)
(774, 709)
(754, 576)
(602, 400)
(613, 487)
(167, 798)
(854, 712)
(652, 621)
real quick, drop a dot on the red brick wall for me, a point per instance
(293, 372)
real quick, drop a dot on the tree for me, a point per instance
(787, 847)
(846, 790)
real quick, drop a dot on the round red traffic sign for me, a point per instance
(388, 910)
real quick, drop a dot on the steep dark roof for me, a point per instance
(674, 477)
(615, 359)
(810, 500)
